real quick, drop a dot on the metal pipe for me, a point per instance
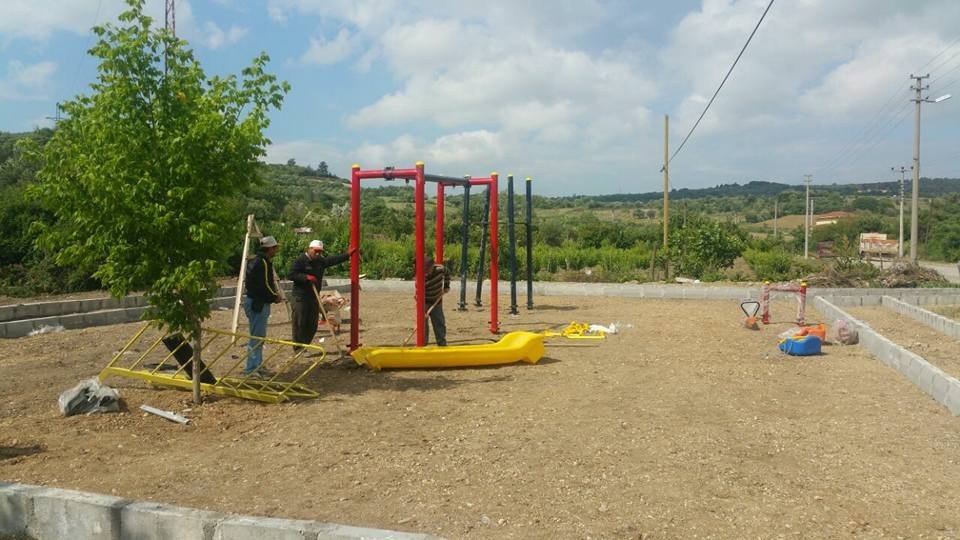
(355, 258)
(494, 254)
(529, 228)
(483, 246)
(419, 192)
(464, 239)
(512, 240)
(438, 249)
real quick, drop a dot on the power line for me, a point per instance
(874, 127)
(725, 77)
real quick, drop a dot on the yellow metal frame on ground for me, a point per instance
(231, 383)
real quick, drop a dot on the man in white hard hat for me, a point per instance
(306, 272)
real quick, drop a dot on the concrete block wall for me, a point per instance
(942, 387)
(936, 321)
(50, 513)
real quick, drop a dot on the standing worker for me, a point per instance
(262, 291)
(306, 272)
(436, 284)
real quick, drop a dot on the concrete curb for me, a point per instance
(943, 388)
(43, 513)
(936, 321)
(134, 307)
(20, 328)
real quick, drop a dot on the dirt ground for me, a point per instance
(682, 425)
(952, 312)
(937, 348)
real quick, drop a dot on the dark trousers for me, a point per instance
(439, 325)
(306, 313)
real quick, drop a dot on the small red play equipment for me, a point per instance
(799, 291)
(420, 178)
(750, 308)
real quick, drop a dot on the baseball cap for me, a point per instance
(268, 242)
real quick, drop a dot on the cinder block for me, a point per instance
(60, 513)
(162, 522)
(952, 401)
(941, 385)
(16, 507)
(257, 528)
(925, 379)
(329, 531)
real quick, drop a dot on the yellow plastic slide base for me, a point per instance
(513, 347)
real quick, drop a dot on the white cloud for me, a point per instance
(323, 51)
(27, 19)
(510, 84)
(215, 37)
(27, 81)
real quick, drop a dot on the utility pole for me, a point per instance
(915, 188)
(807, 178)
(56, 116)
(903, 171)
(169, 16)
(666, 192)
(775, 201)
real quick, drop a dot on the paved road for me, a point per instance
(949, 271)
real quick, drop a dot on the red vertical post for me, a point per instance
(803, 304)
(419, 192)
(438, 258)
(355, 258)
(494, 255)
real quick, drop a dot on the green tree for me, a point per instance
(143, 175)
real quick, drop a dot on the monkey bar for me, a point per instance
(420, 179)
(154, 365)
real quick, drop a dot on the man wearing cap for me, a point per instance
(262, 291)
(306, 272)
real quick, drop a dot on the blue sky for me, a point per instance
(572, 93)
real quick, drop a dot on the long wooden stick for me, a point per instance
(243, 274)
(425, 315)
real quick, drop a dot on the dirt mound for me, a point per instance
(907, 274)
(898, 275)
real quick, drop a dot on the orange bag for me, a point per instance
(819, 330)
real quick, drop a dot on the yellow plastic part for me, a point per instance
(513, 347)
(576, 330)
(290, 366)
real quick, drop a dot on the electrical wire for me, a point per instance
(725, 77)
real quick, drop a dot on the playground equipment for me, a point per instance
(751, 321)
(154, 365)
(511, 245)
(420, 179)
(798, 291)
(513, 347)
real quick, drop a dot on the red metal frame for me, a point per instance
(417, 175)
(494, 247)
(801, 291)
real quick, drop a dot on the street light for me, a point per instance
(914, 203)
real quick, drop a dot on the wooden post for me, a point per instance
(243, 275)
(666, 195)
(197, 399)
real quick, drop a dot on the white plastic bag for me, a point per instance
(89, 396)
(844, 332)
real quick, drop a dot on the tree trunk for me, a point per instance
(197, 366)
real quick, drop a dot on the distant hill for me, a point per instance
(929, 187)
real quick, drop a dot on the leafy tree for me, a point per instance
(322, 169)
(142, 174)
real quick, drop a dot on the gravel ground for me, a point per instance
(682, 425)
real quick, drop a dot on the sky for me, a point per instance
(571, 93)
